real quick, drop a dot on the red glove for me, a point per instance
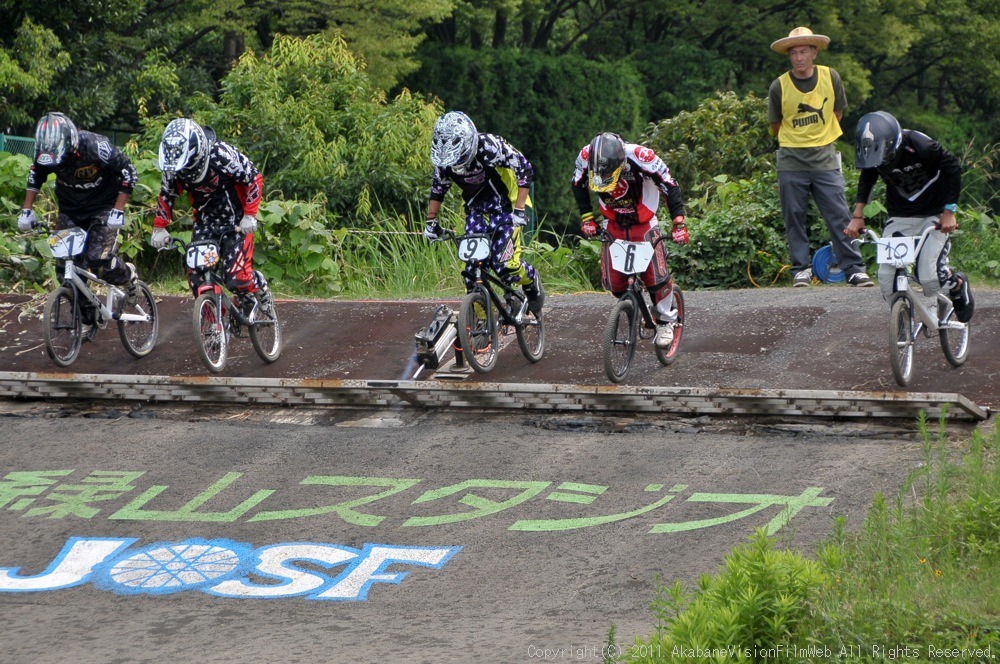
(588, 226)
(680, 233)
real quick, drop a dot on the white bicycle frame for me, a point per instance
(901, 253)
(71, 242)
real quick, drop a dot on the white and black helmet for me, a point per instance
(454, 142)
(55, 137)
(877, 139)
(184, 149)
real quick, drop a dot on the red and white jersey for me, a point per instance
(637, 196)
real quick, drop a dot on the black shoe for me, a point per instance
(861, 280)
(535, 293)
(961, 297)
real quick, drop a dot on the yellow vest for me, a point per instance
(807, 118)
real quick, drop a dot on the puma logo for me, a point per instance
(806, 108)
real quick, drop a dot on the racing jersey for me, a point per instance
(231, 188)
(637, 195)
(492, 178)
(90, 178)
(921, 179)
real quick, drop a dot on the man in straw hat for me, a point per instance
(805, 106)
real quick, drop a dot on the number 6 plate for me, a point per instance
(630, 257)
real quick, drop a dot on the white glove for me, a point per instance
(433, 231)
(248, 224)
(160, 239)
(116, 219)
(519, 217)
(27, 220)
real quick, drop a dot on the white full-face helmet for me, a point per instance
(454, 142)
(184, 150)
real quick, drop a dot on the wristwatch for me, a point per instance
(951, 207)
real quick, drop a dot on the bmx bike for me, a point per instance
(75, 303)
(492, 308)
(218, 317)
(910, 314)
(631, 319)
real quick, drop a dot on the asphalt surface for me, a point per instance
(831, 337)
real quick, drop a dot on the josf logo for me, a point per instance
(226, 568)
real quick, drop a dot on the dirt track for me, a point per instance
(825, 337)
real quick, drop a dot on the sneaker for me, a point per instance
(803, 278)
(961, 298)
(88, 331)
(860, 279)
(133, 274)
(664, 335)
(535, 293)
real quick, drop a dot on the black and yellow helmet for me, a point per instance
(606, 160)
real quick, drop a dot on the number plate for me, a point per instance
(630, 257)
(471, 249)
(894, 250)
(68, 242)
(202, 256)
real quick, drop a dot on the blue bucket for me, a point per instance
(824, 268)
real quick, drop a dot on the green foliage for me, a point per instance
(27, 70)
(756, 601)
(312, 121)
(548, 107)
(726, 135)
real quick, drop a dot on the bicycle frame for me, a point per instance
(77, 278)
(896, 253)
(214, 280)
(480, 272)
(636, 290)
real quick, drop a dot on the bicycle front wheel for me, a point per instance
(139, 336)
(265, 332)
(667, 355)
(901, 340)
(477, 331)
(620, 335)
(210, 334)
(531, 336)
(954, 343)
(63, 326)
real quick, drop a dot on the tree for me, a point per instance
(27, 70)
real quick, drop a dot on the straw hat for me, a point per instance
(800, 37)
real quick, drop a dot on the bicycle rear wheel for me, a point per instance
(139, 337)
(265, 332)
(531, 336)
(210, 334)
(620, 334)
(667, 355)
(477, 331)
(901, 340)
(63, 325)
(954, 343)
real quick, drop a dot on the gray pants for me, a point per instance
(932, 268)
(827, 189)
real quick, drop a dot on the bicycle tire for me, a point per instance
(531, 336)
(211, 335)
(901, 340)
(954, 343)
(477, 331)
(63, 326)
(667, 355)
(139, 337)
(620, 334)
(265, 332)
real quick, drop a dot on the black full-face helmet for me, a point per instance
(606, 160)
(877, 139)
(184, 149)
(55, 137)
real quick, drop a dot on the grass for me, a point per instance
(922, 571)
